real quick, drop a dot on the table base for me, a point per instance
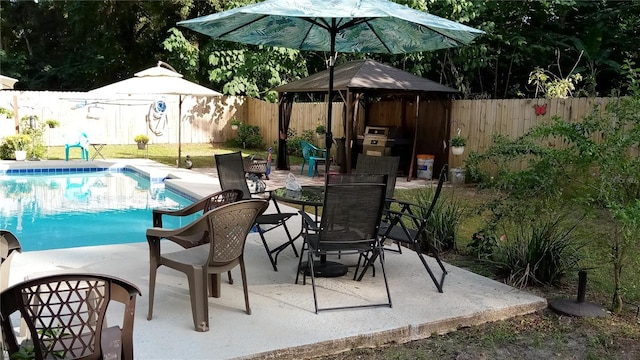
(325, 269)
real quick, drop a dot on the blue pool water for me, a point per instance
(84, 209)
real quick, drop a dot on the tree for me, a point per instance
(597, 167)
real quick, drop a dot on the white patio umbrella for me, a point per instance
(7, 82)
(159, 80)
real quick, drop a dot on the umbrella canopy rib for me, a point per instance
(241, 27)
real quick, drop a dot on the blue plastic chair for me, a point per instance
(83, 144)
(313, 155)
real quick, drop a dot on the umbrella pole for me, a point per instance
(179, 130)
(415, 140)
(329, 135)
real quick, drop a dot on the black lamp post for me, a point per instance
(32, 125)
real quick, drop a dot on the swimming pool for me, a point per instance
(56, 210)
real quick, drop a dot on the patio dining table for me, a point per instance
(310, 197)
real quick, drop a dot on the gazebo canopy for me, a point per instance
(368, 75)
(360, 77)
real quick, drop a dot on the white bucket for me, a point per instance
(425, 166)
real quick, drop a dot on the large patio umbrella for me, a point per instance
(7, 82)
(159, 80)
(363, 26)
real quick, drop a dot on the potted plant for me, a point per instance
(457, 145)
(6, 113)
(53, 123)
(321, 130)
(142, 141)
(235, 123)
(20, 144)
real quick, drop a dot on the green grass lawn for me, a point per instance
(202, 155)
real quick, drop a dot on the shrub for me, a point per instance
(248, 137)
(52, 123)
(12, 143)
(35, 134)
(293, 141)
(541, 251)
(4, 111)
(483, 244)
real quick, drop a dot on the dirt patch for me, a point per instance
(541, 335)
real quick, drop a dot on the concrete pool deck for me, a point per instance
(283, 323)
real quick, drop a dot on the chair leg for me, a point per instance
(313, 279)
(152, 287)
(266, 247)
(199, 299)
(367, 262)
(153, 269)
(380, 253)
(300, 266)
(243, 272)
(279, 249)
(438, 284)
(311, 168)
(302, 168)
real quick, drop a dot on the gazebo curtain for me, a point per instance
(285, 104)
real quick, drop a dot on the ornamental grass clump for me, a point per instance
(443, 223)
(537, 252)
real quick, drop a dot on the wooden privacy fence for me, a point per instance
(479, 120)
(207, 119)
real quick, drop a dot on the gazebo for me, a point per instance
(375, 94)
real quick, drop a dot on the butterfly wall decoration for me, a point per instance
(540, 109)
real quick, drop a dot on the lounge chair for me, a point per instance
(408, 226)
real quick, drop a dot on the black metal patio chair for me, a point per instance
(408, 226)
(231, 173)
(351, 213)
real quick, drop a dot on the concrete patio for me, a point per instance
(283, 323)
